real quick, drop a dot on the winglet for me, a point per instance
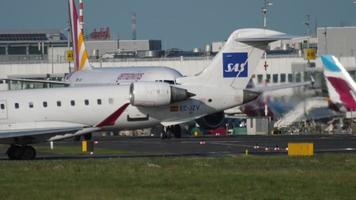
(80, 53)
(110, 121)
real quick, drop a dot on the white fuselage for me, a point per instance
(122, 75)
(91, 105)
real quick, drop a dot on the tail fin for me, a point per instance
(341, 86)
(80, 53)
(234, 65)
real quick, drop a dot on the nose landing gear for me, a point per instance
(170, 131)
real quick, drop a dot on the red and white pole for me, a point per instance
(81, 16)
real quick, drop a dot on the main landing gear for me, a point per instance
(170, 131)
(16, 152)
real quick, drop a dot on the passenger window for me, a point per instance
(86, 102)
(298, 78)
(59, 103)
(99, 101)
(2, 106)
(259, 78)
(111, 100)
(283, 78)
(45, 104)
(268, 78)
(72, 103)
(30, 104)
(307, 76)
(290, 78)
(275, 78)
(17, 106)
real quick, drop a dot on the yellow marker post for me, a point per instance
(309, 54)
(300, 149)
(70, 57)
(84, 146)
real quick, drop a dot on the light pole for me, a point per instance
(68, 43)
(307, 25)
(264, 10)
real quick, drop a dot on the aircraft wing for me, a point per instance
(34, 132)
(175, 122)
(36, 81)
(25, 133)
(278, 87)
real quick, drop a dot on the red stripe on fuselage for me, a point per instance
(344, 91)
(110, 121)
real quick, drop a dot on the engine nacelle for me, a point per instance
(212, 121)
(156, 94)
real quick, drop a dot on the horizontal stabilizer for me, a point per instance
(262, 36)
(36, 81)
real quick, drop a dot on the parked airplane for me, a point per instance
(31, 116)
(341, 86)
(87, 75)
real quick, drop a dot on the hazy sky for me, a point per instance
(181, 23)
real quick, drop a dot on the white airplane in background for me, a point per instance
(86, 75)
(31, 116)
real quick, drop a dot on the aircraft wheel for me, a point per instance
(14, 152)
(177, 132)
(167, 133)
(29, 153)
(163, 135)
(76, 138)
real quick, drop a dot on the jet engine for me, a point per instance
(212, 121)
(156, 94)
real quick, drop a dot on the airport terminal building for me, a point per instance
(48, 48)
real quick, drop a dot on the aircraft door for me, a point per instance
(3, 109)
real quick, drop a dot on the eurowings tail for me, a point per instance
(80, 53)
(234, 65)
(341, 86)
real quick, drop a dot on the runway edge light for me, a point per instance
(300, 149)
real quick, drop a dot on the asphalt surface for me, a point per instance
(229, 145)
(202, 146)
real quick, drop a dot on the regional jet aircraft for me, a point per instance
(31, 116)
